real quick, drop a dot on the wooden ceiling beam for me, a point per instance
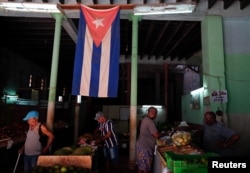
(99, 6)
(227, 3)
(243, 4)
(148, 34)
(211, 3)
(178, 27)
(187, 31)
(159, 37)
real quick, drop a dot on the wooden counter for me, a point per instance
(15, 140)
(159, 163)
(82, 161)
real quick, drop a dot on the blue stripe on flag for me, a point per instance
(114, 61)
(76, 84)
(95, 71)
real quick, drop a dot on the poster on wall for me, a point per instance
(219, 96)
(195, 101)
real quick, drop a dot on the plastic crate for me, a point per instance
(188, 163)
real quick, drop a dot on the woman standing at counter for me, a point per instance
(146, 141)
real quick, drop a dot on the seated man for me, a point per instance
(217, 137)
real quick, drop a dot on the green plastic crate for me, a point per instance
(188, 163)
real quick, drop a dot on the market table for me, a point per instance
(71, 160)
(9, 153)
(8, 142)
(159, 163)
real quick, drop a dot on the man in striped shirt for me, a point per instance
(110, 141)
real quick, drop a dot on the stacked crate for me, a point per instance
(188, 163)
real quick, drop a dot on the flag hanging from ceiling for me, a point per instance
(96, 66)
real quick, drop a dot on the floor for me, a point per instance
(124, 163)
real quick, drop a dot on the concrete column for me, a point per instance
(213, 60)
(133, 97)
(54, 70)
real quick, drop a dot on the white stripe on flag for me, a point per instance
(105, 63)
(86, 67)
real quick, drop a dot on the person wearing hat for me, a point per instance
(32, 147)
(110, 141)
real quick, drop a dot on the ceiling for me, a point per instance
(172, 39)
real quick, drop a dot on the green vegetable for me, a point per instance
(84, 150)
(63, 151)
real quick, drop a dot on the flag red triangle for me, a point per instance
(99, 21)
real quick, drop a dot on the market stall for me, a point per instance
(8, 152)
(67, 159)
(177, 154)
(82, 156)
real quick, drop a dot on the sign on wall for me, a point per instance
(219, 96)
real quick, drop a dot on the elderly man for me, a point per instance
(110, 140)
(33, 147)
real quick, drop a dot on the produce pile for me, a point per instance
(187, 149)
(179, 143)
(73, 150)
(181, 138)
(60, 169)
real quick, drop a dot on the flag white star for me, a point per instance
(98, 22)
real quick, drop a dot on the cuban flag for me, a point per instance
(96, 65)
